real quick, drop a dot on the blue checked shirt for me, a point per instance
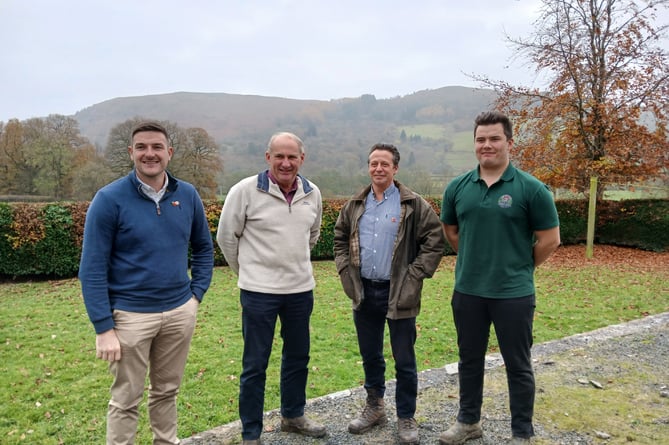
(378, 230)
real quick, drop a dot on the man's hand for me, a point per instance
(107, 346)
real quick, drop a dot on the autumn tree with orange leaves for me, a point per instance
(605, 111)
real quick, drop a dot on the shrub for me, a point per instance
(39, 239)
(44, 239)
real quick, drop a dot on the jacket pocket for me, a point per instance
(348, 284)
(409, 296)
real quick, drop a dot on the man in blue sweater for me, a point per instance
(136, 286)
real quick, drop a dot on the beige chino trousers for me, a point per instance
(157, 342)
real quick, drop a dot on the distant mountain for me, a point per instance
(220, 114)
(432, 128)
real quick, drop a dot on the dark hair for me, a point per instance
(148, 126)
(492, 118)
(386, 147)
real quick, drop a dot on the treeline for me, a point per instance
(48, 157)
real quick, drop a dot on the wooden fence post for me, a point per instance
(592, 215)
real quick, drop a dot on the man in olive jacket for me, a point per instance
(387, 239)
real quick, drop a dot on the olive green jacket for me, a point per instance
(418, 249)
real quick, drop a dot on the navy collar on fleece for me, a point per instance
(263, 182)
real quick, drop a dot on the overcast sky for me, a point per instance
(63, 56)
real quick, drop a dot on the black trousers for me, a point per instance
(512, 319)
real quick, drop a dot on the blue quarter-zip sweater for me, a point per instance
(135, 254)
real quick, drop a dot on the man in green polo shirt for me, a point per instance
(502, 223)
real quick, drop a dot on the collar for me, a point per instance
(392, 188)
(150, 190)
(263, 182)
(508, 174)
(293, 187)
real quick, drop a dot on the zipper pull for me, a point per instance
(158, 209)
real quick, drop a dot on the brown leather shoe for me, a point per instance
(302, 425)
(407, 429)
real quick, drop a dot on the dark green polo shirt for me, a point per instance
(496, 231)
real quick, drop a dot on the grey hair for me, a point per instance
(292, 136)
(389, 148)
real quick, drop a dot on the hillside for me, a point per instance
(432, 128)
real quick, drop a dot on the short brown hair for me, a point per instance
(148, 126)
(492, 118)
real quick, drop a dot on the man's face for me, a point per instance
(284, 159)
(150, 153)
(492, 147)
(381, 169)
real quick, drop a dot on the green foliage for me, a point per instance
(573, 220)
(43, 244)
(57, 250)
(212, 209)
(640, 223)
(635, 223)
(45, 239)
(324, 248)
(6, 250)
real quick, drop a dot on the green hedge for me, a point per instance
(44, 239)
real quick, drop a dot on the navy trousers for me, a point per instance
(370, 321)
(259, 315)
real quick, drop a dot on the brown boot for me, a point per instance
(407, 429)
(374, 413)
(460, 433)
(302, 425)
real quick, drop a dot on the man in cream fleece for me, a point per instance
(268, 226)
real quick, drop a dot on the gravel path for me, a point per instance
(642, 341)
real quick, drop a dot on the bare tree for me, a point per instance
(196, 157)
(116, 150)
(199, 161)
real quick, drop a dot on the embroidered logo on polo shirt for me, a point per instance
(505, 201)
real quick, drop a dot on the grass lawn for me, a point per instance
(56, 392)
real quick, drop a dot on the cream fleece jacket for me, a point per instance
(267, 241)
